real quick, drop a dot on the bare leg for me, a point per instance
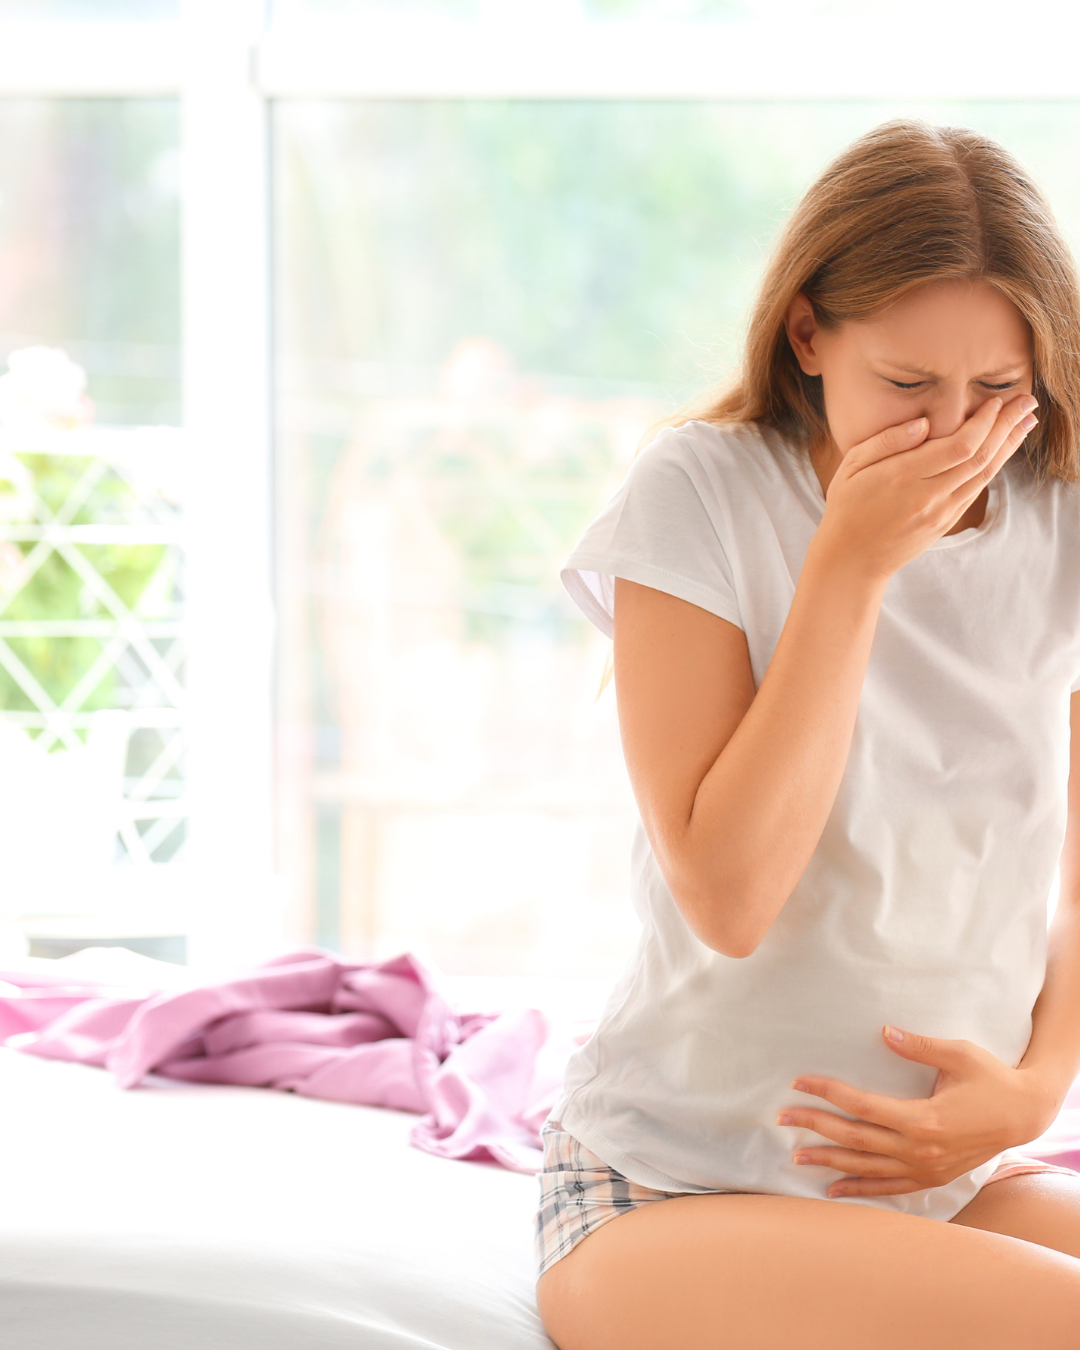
(1039, 1207)
(757, 1272)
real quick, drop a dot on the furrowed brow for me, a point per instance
(1002, 372)
(911, 370)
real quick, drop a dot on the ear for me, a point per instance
(802, 330)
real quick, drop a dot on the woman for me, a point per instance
(845, 602)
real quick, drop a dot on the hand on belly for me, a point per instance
(979, 1107)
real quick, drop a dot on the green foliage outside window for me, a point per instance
(56, 591)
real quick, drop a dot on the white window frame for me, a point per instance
(226, 66)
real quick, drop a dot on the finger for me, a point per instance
(956, 1057)
(847, 1160)
(853, 1134)
(872, 1186)
(968, 489)
(892, 1112)
(946, 452)
(964, 460)
(891, 441)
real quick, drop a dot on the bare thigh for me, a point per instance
(765, 1272)
(1042, 1207)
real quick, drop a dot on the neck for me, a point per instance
(826, 459)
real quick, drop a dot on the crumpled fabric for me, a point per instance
(374, 1034)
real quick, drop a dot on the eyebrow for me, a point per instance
(1012, 369)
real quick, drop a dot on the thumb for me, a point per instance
(941, 1054)
(891, 441)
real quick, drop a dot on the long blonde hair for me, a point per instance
(906, 204)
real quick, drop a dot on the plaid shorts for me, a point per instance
(579, 1192)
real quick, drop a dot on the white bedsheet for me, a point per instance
(184, 1217)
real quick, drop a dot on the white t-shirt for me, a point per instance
(924, 905)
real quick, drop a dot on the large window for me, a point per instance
(498, 243)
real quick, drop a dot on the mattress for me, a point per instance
(185, 1217)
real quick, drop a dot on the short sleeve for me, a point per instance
(661, 530)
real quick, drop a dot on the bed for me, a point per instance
(188, 1217)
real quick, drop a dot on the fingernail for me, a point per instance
(801, 1158)
(891, 1034)
(835, 1192)
(784, 1120)
(1028, 404)
(1026, 423)
(800, 1085)
(913, 428)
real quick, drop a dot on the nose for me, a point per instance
(950, 407)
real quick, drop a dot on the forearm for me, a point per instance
(1053, 1053)
(759, 812)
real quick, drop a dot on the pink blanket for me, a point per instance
(376, 1034)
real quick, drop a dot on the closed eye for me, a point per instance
(997, 388)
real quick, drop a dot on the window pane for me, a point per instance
(482, 308)
(364, 9)
(525, 10)
(656, 11)
(90, 564)
(89, 245)
(124, 10)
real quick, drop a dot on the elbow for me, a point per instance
(728, 909)
(736, 945)
(729, 918)
(728, 895)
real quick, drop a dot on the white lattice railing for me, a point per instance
(91, 601)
